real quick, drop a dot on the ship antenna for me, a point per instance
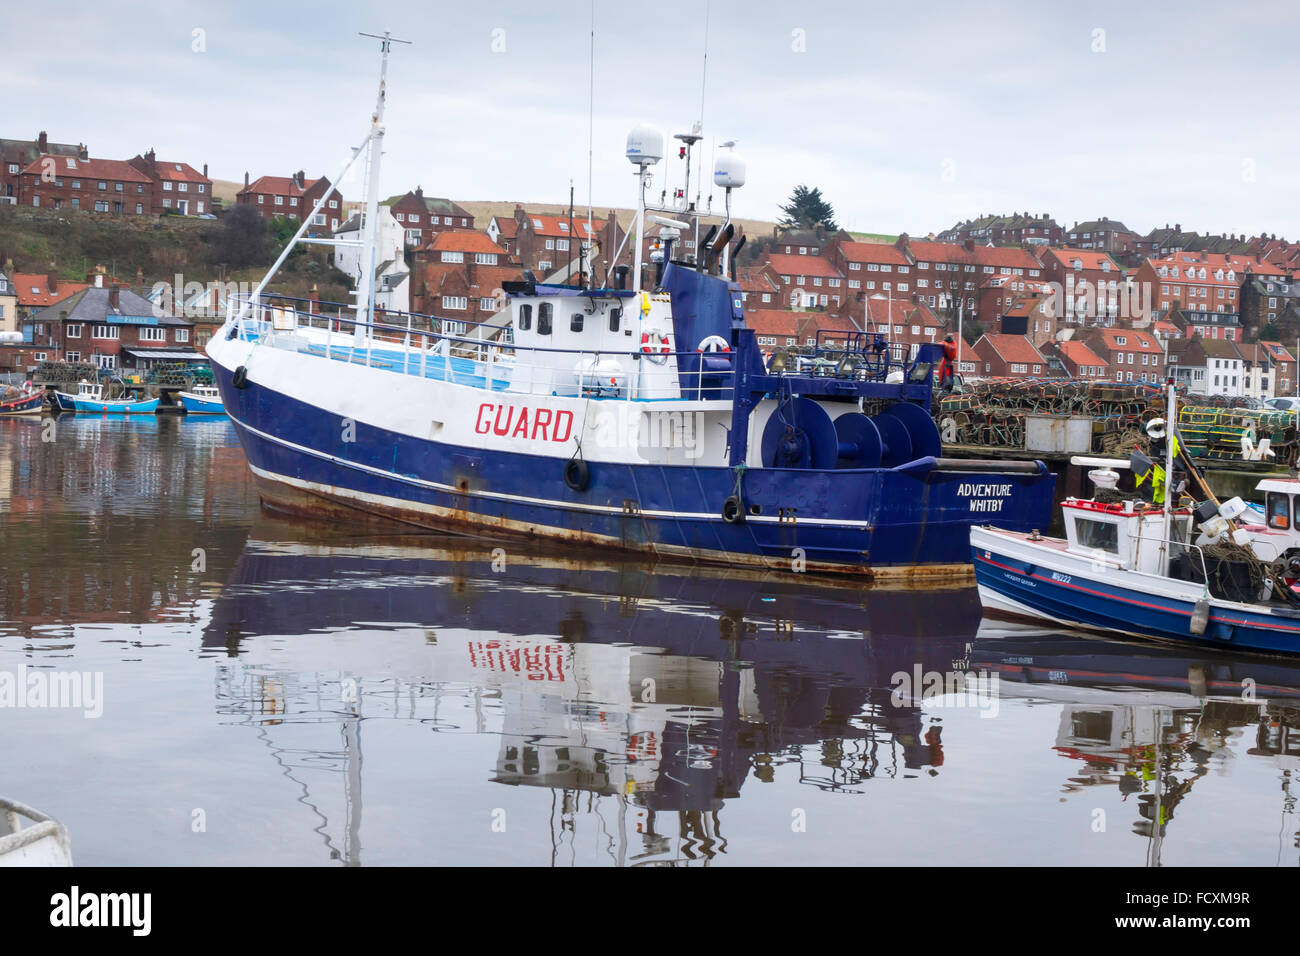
(699, 181)
(366, 282)
(591, 113)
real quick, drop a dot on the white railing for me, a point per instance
(483, 356)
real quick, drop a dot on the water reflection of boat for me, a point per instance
(661, 694)
(30, 838)
(661, 691)
(1148, 719)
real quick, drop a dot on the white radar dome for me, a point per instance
(645, 145)
(729, 169)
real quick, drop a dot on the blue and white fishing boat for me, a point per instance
(625, 414)
(1173, 571)
(90, 398)
(203, 400)
(27, 400)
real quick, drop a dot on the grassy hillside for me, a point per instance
(70, 244)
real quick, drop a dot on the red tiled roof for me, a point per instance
(178, 172)
(1278, 351)
(789, 265)
(774, 321)
(278, 186)
(463, 240)
(1024, 306)
(1135, 340)
(507, 226)
(885, 311)
(1088, 259)
(924, 250)
(1214, 261)
(558, 226)
(872, 252)
(115, 169)
(25, 282)
(1013, 348)
(1080, 354)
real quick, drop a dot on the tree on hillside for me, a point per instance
(807, 209)
(240, 240)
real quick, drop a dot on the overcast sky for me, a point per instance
(908, 116)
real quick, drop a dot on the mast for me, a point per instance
(365, 292)
(1171, 401)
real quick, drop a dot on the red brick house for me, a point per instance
(91, 185)
(114, 328)
(1133, 355)
(1285, 364)
(1102, 235)
(458, 274)
(805, 281)
(953, 273)
(1203, 282)
(545, 243)
(17, 154)
(1091, 284)
(907, 322)
(35, 292)
(757, 289)
(1078, 360)
(422, 215)
(503, 230)
(1007, 356)
(1015, 229)
(177, 187)
(292, 196)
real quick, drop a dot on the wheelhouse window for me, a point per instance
(615, 317)
(524, 321)
(1277, 506)
(575, 322)
(544, 311)
(1098, 535)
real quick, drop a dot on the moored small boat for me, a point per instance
(1178, 572)
(30, 838)
(24, 401)
(203, 400)
(90, 398)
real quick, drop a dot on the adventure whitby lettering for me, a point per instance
(985, 497)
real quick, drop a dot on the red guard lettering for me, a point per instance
(542, 422)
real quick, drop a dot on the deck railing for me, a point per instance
(476, 354)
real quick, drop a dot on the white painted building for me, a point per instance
(392, 278)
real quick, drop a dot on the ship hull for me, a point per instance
(31, 404)
(1018, 577)
(879, 523)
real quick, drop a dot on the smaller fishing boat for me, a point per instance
(27, 400)
(30, 838)
(203, 400)
(90, 398)
(1183, 570)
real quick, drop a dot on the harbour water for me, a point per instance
(194, 682)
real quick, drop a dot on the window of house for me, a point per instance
(458, 302)
(182, 335)
(105, 332)
(453, 257)
(167, 186)
(153, 334)
(73, 330)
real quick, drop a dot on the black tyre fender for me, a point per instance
(240, 378)
(577, 474)
(733, 510)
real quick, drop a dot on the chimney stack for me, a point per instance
(43, 142)
(52, 283)
(300, 177)
(969, 245)
(205, 170)
(113, 297)
(246, 179)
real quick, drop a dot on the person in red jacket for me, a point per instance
(949, 357)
